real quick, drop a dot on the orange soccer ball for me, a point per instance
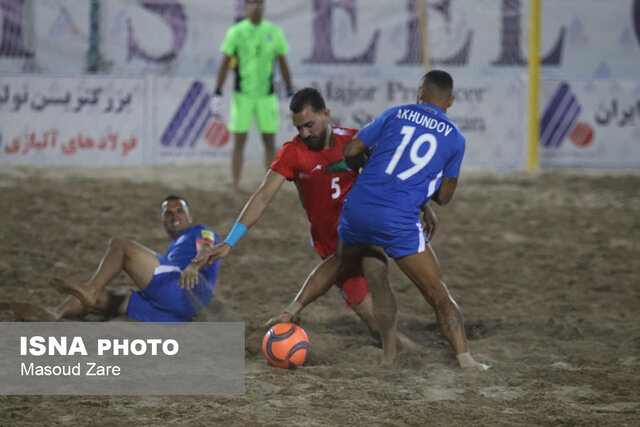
(285, 345)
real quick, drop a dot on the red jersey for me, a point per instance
(321, 187)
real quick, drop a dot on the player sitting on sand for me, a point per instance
(170, 288)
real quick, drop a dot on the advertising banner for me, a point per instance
(72, 121)
(364, 56)
(107, 121)
(581, 39)
(118, 121)
(590, 124)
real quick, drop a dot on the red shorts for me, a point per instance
(353, 290)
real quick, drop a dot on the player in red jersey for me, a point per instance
(314, 161)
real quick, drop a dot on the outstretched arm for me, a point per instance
(249, 215)
(259, 201)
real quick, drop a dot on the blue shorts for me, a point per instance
(164, 301)
(357, 227)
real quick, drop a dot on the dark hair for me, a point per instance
(439, 83)
(307, 96)
(174, 197)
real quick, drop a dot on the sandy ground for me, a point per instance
(545, 267)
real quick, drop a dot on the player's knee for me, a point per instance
(116, 242)
(436, 293)
(120, 243)
(435, 284)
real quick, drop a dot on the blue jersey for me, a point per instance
(413, 147)
(184, 248)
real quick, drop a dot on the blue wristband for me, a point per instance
(237, 231)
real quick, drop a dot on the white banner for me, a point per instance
(581, 39)
(72, 121)
(102, 121)
(118, 121)
(594, 124)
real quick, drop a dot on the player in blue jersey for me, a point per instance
(169, 287)
(416, 152)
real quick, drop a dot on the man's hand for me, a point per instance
(281, 318)
(211, 255)
(189, 277)
(429, 221)
(355, 163)
(291, 313)
(215, 103)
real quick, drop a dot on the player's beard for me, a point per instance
(316, 143)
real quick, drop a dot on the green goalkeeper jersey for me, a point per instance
(255, 48)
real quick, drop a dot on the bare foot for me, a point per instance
(386, 362)
(476, 367)
(468, 363)
(82, 293)
(28, 312)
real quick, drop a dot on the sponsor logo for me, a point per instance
(560, 119)
(193, 120)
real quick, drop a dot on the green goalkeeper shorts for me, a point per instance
(244, 108)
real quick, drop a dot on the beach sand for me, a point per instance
(545, 267)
